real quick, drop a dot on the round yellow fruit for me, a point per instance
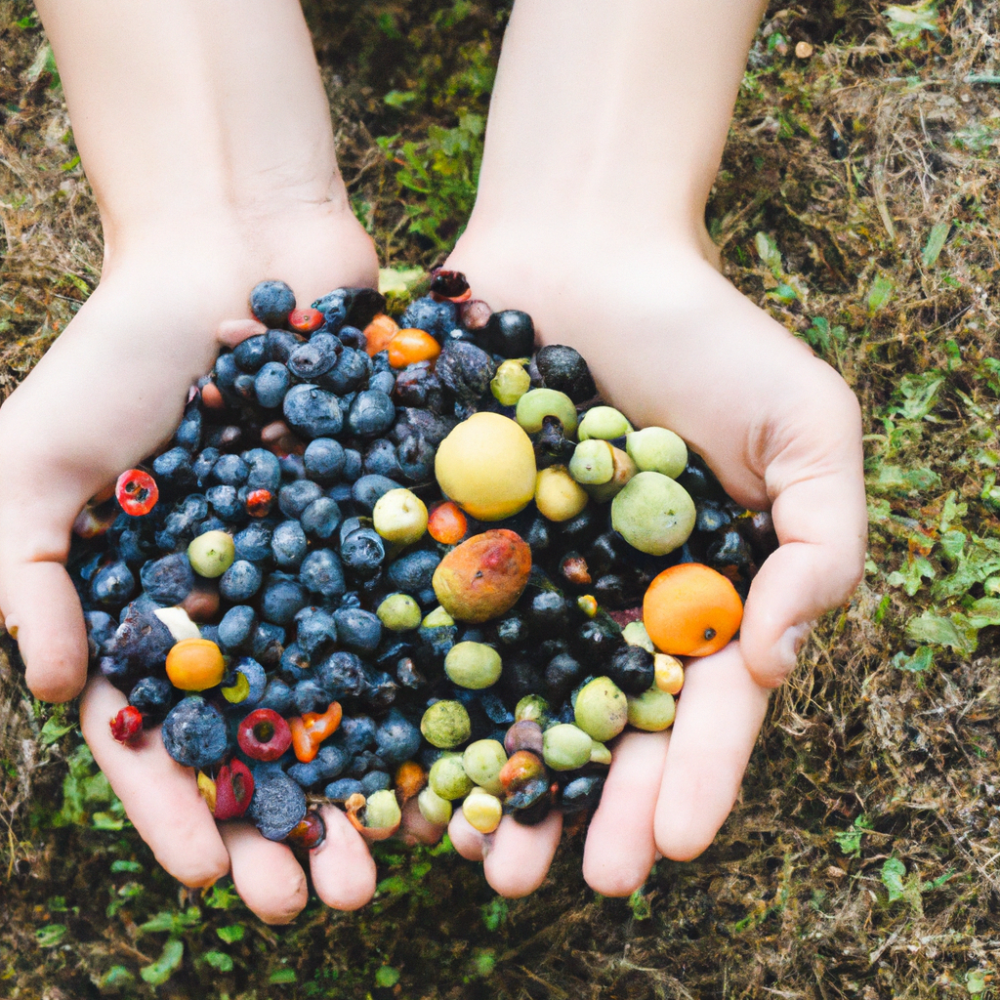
(487, 466)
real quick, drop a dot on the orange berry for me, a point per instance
(379, 332)
(691, 610)
(447, 524)
(195, 665)
(410, 779)
(311, 728)
(410, 346)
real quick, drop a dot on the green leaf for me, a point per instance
(172, 921)
(896, 479)
(984, 612)
(54, 729)
(495, 913)
(921, 661)
(126, 866)
(400, 98)
(912, 574)
(387, 977)
(639, 905)
(892, 877)
(218, 960)
(908, 23)
(282, 976)
(116, 977)
(399, 280)
(975, 982)
(232, 933)
(164, 967)
(879, 294)
(50, 935)
(939, 881)
(935, 243)
(917, 395)
(222, 896)
(769, 254)
(849, 841)
(107, 821)
(954, 631)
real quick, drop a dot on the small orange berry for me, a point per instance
(195, 665)
(691, 610)
(410, 346)
(379, 332)
(410, 779)
(447, 524)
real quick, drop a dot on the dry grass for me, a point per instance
(779, 906)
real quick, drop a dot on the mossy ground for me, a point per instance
(858, 202)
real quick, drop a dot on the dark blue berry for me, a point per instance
(237, 628)
(342, 674)
(368, 490)
(317, 356)
(383, 382)
(268, 644)
(416, 459)
(112, 585)
(101, 628)
(264, 469)
(372, 413)
(437, 318)
(581, 793)
(342, 789)
(324, 460)
(305, 775)
(349, 373)
(352, 465)
(277, 696)
(331, 760)
(226, 371)
(466, 370)
(363, 553)
(278, 804)
(250, 354)
(173, 469)
(357, 630)
(351, 336)
(225, 501)
(321, 518)
(283, 597)
(186, 514)
(188, 435)
(295, 663)
(271, 302)
(279, 345)
(310, 696)
(321, 573)
(397, 738)
(356, 733)
(414, 571)
(230, 470)
(381, 460)
(292, 466)
(256, 677)
(253, 542)
(153, 696)
(295, 497)
(168, 580)
(315, 631)
(241, 581)
(194, 733)
(312, 411)
(271, 384)
(288, 544)
(204, 464)
(375, 781)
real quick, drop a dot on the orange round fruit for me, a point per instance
(195, 664)
(379, 332)
(691, 610)
(410, 346)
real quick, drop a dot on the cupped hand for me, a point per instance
(674, 344)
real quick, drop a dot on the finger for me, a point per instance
(232, 332)
(518, 858)
(719, 715)
(466, 839)
(816, 482)
(343, 871)
(266, 875)
(160, 797)
(414, 829)
(620, 849)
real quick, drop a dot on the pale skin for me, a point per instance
(214, 166)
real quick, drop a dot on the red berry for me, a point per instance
(127, 724)
(233, 790)
(259, 503)
(310, 833)
(264, 735)
(305, 320)
(137, 492)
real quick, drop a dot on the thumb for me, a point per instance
(816, 481)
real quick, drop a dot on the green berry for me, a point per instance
(483, 761)
(635, 634)
(400, 516)
(433, 808)
(653, 513)
(601, 709)
(399, 613)
(212, 554)
(446, 724)
(604, 422)
(651, 711)
(473, 665)
(533, 708)
(655, 449)
(599, 754)
(566, 747)
(448, 779)
(534, 406)
(510, 383)
(382, 810)
(592, 463)
(482, 810)
(438, 618)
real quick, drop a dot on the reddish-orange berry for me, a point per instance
(447, 524)
(410, 346)
(379, 332)
(305, 320)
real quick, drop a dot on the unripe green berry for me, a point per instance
(534, 406)
(651, 711)
(604, 422)
(566, 747)
(655, 449)
(400, 516)
(433, 808)
(382, 810)
(533, 708)
(437, 618)
(635, 634)
(601, 709)
(482, 810)
(592, 463)
(510, 383)
(653, 513)
(483, 761)
(447, 777)
(473, 665)
(212, 554)
(446, 724)
(399, 613)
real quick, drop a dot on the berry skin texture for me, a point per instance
(264, 735)
(691, 610)
(278, 804)
(194, 733)
(195, 665)
(137, 492)
(272, 302)
(126, 725)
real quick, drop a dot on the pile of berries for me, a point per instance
(382, 560)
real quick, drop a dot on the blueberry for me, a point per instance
(230, 470)
(241, 581)
(168, 580)
(331, 760)
(380, 690)
(581, 793)
(315, 357)
(397, 739)
(381, 460)
(352, 465)
(250, 354)
(372, 413)
(351, 336)
(255, 676)
(225, 501)
(277, 696)
(321, 573)
(416, 459)
(117, 670)
(292, 466)
(437, 318)
(212, 523)
(466, 370)
(204, 464)
(271, 384)
(271, 302)
(333, 306)
(101, 628)
(316, 631)
(381, 363)
(356, 733)
(363, 762)
(186, 514)
(278, 804)
(268, 644)
(253, 542)
(433, 427)
(561, 676)
(237, 627)
(194, 733)
(342, 789)
(343, 676)
(283, 596)
(349, 373)
(358, 631)
(363, 553)
(498, 713)
(321, 518)
(188, 435)
(631, 668)
(305, 775)
(153, 697)
(368, 490)
(418, 386)
(563, 369)
(225, 371)
(312, 411)
(382, 382)
(358, 306)
(295, 497)
(264, 469)
(324, 460)
(414, 571)
(112, 585)
(243, 386)
(310, 696)
(375, 781)
(173, 469)
(225, 437)
(288, 544)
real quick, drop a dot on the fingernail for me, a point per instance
(791, 642)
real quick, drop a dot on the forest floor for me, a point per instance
(858, 202)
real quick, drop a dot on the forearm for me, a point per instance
(199, 107)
